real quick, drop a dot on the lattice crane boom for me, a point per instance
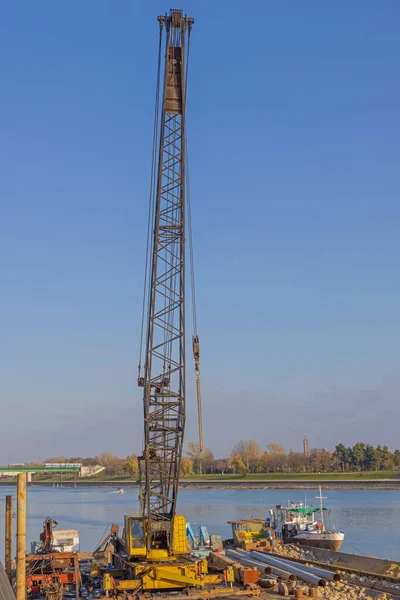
(164, 380)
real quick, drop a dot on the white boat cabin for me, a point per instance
(293, 519)
(65, 540)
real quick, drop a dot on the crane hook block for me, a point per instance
(196, 350)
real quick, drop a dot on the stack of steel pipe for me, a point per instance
(249, 562)
(309, 576)
(324, 573)
(246, 559)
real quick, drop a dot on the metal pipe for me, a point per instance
(21, 536)
(8, 536)
(281, 573)
(328, 575)
(303, 575)
(248, 561)
(262, 567)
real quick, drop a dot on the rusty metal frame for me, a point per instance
(53, 565)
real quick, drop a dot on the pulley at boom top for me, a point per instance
(164, 378)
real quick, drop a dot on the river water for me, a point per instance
(370, 519)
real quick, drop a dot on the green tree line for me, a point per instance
(249, 456)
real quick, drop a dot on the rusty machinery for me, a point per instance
(46, 537)
(49, 572)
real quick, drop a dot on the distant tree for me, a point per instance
(276, 449)
(358, 456)
(131, 467)
(266, 462)
(274, 459)
(344, 456)
(222, 465)
(379, 457)
(340, 453)
(207, 461)
(194, 455)
(112, 464)
(386, 459)
(91, 461)
(239, 466)
(202, 461)
(349, 458)
(336, 465)
(57, 460)
(319, 460)
(371, 458)
(325, 460)
(255, 454)
(250, 452)
(186, 467)
(396, 458)
(296, 461)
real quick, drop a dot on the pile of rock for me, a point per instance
(337, 591)
(393, 570)
(291, 551)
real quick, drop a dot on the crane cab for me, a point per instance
(135, 539)
(134, 536)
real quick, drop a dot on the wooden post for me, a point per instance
(21, 536)
(77, 575)
(8, 537)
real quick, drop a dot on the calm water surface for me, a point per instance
(369, 518)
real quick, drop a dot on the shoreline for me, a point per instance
(377, 484)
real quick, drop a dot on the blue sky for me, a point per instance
(294, 129)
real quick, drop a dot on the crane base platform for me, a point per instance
(162, 576)
(209, 593)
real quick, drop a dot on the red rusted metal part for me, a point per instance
(44, 569)
(249, 575)
(46, 536)
(62, 557)
(245, 575)
(41, 578)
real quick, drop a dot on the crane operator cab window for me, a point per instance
(137, 533)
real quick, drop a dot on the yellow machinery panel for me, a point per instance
(109, 583)
(159, 554)
(229, 574)
(169, 576)
(180, 542)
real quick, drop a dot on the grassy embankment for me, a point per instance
(354, 476)
(231, 478)
(278, 477)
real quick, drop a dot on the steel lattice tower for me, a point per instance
(164, 369)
